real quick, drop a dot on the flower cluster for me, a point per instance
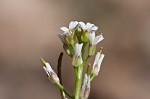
(75, 39)
(83, 33)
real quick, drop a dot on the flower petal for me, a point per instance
(98, 39)
(94, 28)
(84, 85)
(64, 29)
(96, 58)
(73, 24)
(48, 67)
(89, 25)
(45, 69)
(82, 25)
(92, 37)
(78, 49)
(88, 87)
(100, 61)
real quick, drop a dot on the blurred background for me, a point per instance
(29, 28)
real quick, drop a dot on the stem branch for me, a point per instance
(64, 90)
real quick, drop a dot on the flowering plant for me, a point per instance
(75, 39)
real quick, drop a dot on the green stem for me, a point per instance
(78, 75)
(79, 39)
(83, 49)
(86, 61)
(76, 71)
(78, 82)
(92, 77)
(88, 71)
(64, 90)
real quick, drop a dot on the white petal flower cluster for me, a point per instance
(84, 32)
(88, 27)
(77, 39)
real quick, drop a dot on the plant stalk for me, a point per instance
(78, 75)
(78, 82)
(64, 90)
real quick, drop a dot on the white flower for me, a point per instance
(97, 63)
(78, 48)
(72, 25)
(50, 72)
(95, 39)
(85, 90)
(88, 26)
(67, 31)
(88, 88)
(84, 85)
(77, 59)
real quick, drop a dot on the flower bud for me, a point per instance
(77, 59)
(93, 41)
(52, 76)
(79, 32)
(69, 49)
(85, 90)
(88, 87)
(70, 39)
(85, 37)
(97, 63)
(83, 86)
(92, 50)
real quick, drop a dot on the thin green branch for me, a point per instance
(92, 77)
(83, 49)
(64, 90)
(88, 71)
(86, 61)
